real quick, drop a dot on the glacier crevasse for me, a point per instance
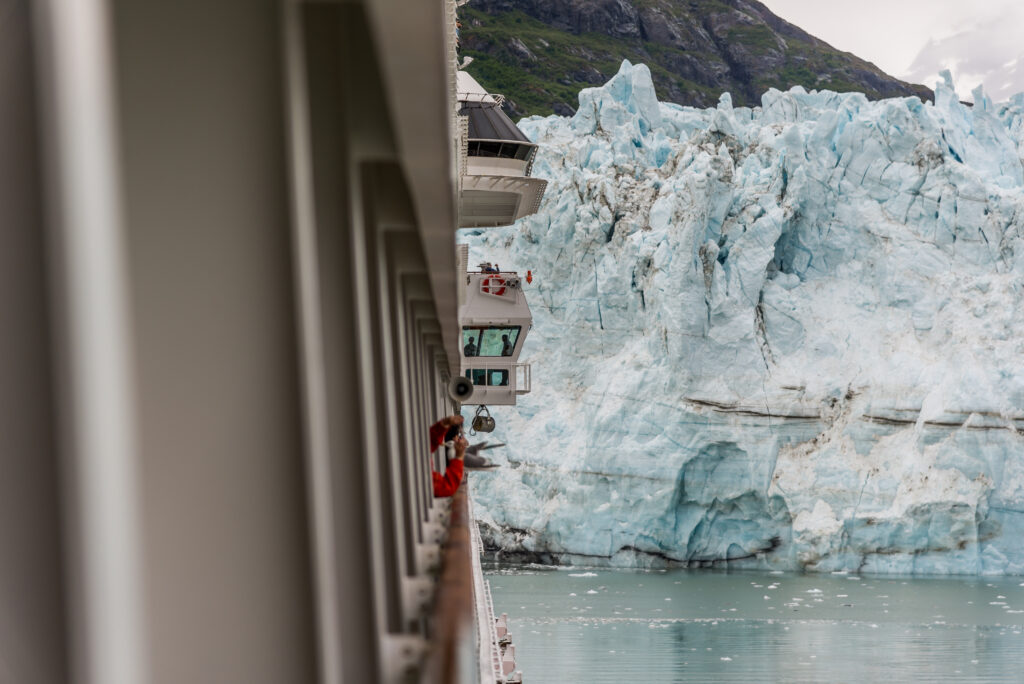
(782, 337)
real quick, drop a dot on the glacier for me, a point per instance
(784, 337)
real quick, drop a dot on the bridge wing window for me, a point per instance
(489, 377)
(489, 340)
(485, 148)
(497, 148)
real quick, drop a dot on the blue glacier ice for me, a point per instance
(784, 337)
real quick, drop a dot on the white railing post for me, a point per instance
(526, 385)
(487, 637)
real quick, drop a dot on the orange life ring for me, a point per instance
(497, 288)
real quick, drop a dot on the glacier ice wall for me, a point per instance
(787, 336)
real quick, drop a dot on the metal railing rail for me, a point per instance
(526, 384)
(453, 613)
(486, 633)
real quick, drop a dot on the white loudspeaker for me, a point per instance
(460, 388)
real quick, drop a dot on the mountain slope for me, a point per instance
(540, 53)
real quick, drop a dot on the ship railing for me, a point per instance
(461, 262)
(524, 378)
(529, 162)
(459, 124)
(488, 647)
(463, 143)
(492, 623)
(453, 614)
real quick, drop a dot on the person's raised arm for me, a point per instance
(448, 484)
(439, 429)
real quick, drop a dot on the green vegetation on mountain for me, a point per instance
(540, 53)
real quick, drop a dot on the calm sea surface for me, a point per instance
(600, 625)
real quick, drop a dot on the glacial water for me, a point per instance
(603, 625)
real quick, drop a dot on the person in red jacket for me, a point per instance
(444, 430)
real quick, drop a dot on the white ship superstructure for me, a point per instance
(495, 320)
(497, 189)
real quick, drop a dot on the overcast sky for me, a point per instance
(980, 41)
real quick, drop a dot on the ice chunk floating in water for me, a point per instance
(780, 337)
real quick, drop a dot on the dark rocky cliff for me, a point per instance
(540, 53)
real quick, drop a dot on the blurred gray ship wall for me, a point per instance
(220, 224)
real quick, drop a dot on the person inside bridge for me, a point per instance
(448, 429)
(506, 346)
(470, 348)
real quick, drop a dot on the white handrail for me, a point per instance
(526, 385)
(488, 650)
